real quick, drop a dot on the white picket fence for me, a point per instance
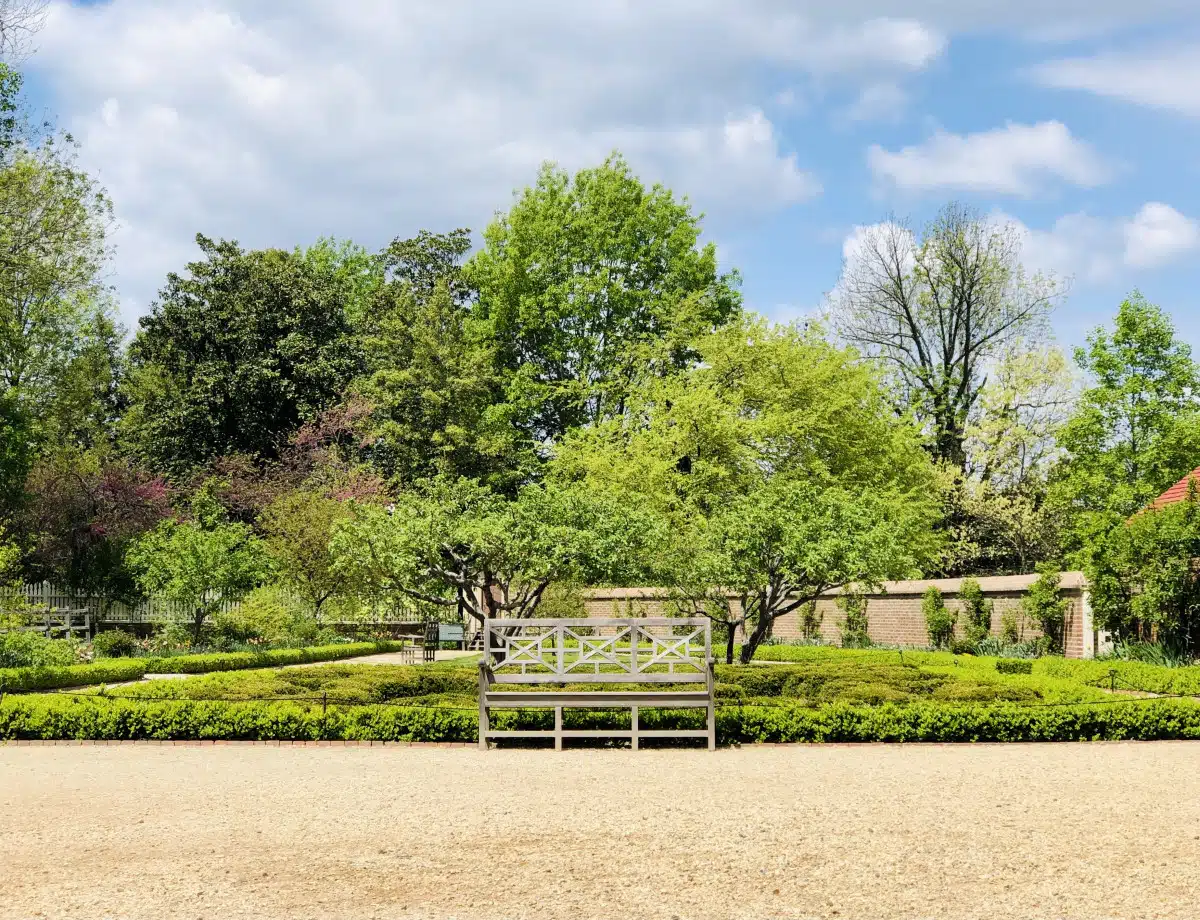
(152, 610)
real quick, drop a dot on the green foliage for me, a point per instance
(34, 679)
(1014, 666)
(269, 616)
(199, 563)
(115, 643)
(58, 340)
(1136, 430)
(1010, 627)
(436, 394)
(448, 542)
(588, 285)
(29, 649)
(855, 626)
(1143, 576)
(235, 355)
(298, 527)
(976, 609)
(236, 661)
(1045, 607)
(810, 621)
(939, 621)
(1159, 653)
(563, 599)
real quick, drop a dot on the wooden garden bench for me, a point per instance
(659, 650)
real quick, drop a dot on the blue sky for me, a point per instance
(788, 123)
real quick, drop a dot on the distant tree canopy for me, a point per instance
(235, 356)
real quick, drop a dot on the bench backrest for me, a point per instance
(593, 650)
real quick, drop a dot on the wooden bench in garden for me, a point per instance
(645, 651)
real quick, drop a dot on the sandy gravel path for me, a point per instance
(847, 832)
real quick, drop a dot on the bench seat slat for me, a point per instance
(583, 677)
(601, 699)
(601, 733)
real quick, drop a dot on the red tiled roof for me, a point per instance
(1177, 492)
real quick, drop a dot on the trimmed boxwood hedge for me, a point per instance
(63, 717)
(118, 670)
(238, 661)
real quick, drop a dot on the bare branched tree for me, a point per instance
(19, 20)
(937, 312)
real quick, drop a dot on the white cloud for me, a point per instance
(878, 102)
(1014, 160)
(1159, 234)
(1096, 250)
(275, 121)
(1167, 78)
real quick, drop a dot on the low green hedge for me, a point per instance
(1130, 675)
(113, 671)
(238, 661)
(1014, 666)
(117, 670)
(60, 717)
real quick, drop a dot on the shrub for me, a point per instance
(1046, 608)
(939, 621)
(269, 616)
(236, 661)
(63, 716)
(28, 680)
(810, 621)
(115, 643)
(977, 611)
(29, 649)
(1167, 655)
(1010, 627)
(854, 624)
(561, 600)
(1014, 666)
(995, 647)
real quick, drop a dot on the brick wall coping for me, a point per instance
(990, 584)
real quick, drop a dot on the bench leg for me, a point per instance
(558, 739)
(633, 724)
(484, 725)
(712, 725)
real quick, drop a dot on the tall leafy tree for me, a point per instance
(58, 339)
(781, 467)
(938, 311)
(1137, 426)
(236, 355)
(588, 284)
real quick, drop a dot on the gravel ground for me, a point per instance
(870, 832)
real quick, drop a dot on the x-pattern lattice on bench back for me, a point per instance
(646, 650)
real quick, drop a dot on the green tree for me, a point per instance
(936, 312)
(235, 356)
(58, 341)
(455, 544)
(1143, 579)
(298, 527)
(1137, 427)
(589, 284)
(977, 610)
(939, 620)
(199, 563)
(782, 469)
(1044, 606)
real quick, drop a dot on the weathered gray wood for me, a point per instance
(602, 678)
(612, 699)
(573, 651)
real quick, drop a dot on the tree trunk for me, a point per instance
(761, 627)
(732, 630)
(198, 617)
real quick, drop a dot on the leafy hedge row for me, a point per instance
(109, 718)
(238, 661)
(79, 675)
(1137, 675)
(117, 670)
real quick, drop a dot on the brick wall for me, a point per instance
(894, 615)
